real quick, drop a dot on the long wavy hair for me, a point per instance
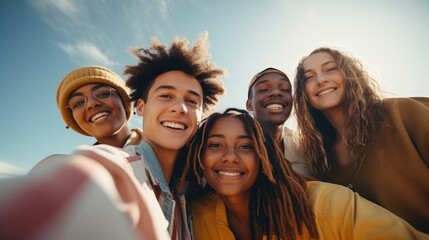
(363, 114)
(278, 199)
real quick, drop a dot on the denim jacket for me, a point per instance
(146, 168)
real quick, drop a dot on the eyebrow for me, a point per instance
(323, 64)
(169, 87)
(223, 136)
(92, 89)
(260, 81)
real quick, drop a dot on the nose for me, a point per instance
(275, 92)
(91, 101)
(230, 155)
(321, 77)
(179, 107)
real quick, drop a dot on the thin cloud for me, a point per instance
(9, 170)
(66, 7)
(163, 7)
(158, 8)
(138, 13)
(86, 51)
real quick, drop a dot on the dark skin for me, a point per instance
(271, 102)
(105, 119)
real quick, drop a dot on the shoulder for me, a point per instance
(204, 204)
(137, 131)
(412, 112)
(329, 198)
(207, 209)
(406, 102)
(209, 218)
(289, 134)
(137, 163)
(317, 188)
(135, 138)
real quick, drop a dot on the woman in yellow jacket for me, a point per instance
(253, 193)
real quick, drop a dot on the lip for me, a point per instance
(229, 172)
(276, 105)
(174, 125)
(98, 115)
(325, 91)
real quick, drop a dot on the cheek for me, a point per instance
(307, 90)
(259, 98)
(118, 104)
(207, 164)
(204, 159)
(78, 116)
(210, 158)
(254, 167)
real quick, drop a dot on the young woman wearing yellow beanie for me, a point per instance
(94, 101)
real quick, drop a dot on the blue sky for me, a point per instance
(43, 40)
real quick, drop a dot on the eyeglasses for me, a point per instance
(78, 102)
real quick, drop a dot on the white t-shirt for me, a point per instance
(292, 152)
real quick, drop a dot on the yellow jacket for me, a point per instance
(339, 213)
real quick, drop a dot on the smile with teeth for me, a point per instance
(98, 116)
(229, 174)
(325, 91)
(173, 125)
(274, 106)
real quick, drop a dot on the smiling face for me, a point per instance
(99, 118)
(172, 110)
(271, 99)
(230, 162)
(324, 82)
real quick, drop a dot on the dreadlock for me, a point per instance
(279, 203)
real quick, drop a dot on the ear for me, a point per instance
(249, 105)
(140, 107)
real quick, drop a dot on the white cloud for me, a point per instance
(9, 170)
(88, 52)
(66, 7)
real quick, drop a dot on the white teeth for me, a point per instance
(173, 125)
(99, 115)
(325, 91)
(275, 106)
(229, 174)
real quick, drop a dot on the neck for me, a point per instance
(167, 160)
(275, 131)
(116, 140)
(336, 118)
(237, 209)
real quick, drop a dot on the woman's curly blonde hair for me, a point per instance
(363, 114)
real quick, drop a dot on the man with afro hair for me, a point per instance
(172, 86)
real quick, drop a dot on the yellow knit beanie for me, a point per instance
(89, 75)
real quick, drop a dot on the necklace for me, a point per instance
(356, 173)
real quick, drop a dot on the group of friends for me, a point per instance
(356, 167)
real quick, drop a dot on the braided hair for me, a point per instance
(278, 199)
